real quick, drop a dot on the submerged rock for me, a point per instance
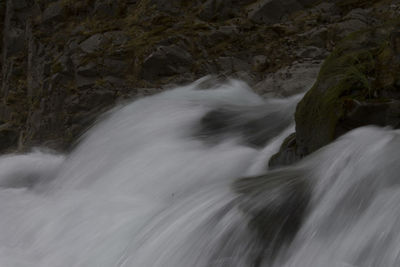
(276, 204)
(255, 125)
(287, 153)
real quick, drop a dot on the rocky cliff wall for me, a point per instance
(64, 62)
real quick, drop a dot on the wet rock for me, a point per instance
(287, 153)
(361, 113)
(166, 61)
(248, 77)
(275, 204)
(290, 80)
(255, 126)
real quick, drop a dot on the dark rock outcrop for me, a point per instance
(56, 55)
(255, 126)
(358, 85)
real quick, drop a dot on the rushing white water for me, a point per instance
(152, 185)
(354, 215)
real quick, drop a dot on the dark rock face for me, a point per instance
(93, 43)
(166, 61)
(9, 140)
(57, 55)
(55, 11)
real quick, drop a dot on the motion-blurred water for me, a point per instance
(152, 185)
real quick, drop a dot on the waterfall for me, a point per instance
(160, 182)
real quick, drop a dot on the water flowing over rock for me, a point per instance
(97, 205)
(142, 188)
(186, 172)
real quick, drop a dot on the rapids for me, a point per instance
(159, 183)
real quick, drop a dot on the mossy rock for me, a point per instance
(357, 85)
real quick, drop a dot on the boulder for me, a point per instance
(166, 61)
(275, 204)
(290, 80)
(357, 86)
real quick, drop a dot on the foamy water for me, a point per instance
(146, 187)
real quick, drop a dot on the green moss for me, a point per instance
(355, 70)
